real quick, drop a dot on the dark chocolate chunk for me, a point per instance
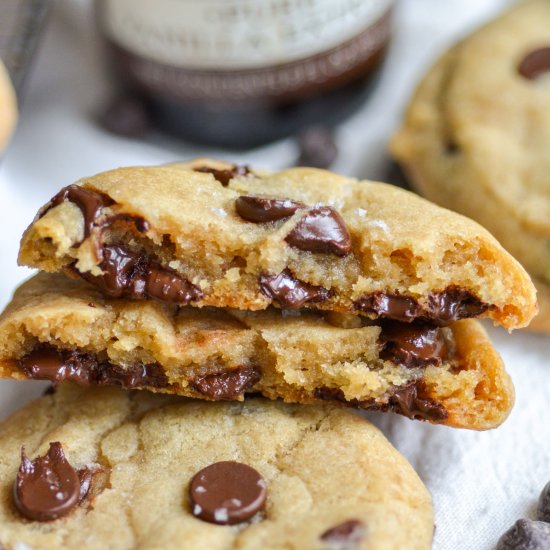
(451, 305)
(227, 493)
(84, 369)
(526, 534)
(141, 224)
(224, 176)
(289, 292)
(442, 308)
(317, 147)
(126, 116)
(401, 400)
(47, 487)
(321, 230)
(126, 273)
(390, 306)
(90, 202)
(535, 63)
(543, 508)
(227, 385)
(406, 401)
(412, 345)
(261, 209)
(345, 536)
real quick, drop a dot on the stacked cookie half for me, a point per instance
(213, 281)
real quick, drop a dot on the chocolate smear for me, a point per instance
(412, 345)
(321, 230)
(261, 209)
(84, 369)
(442, 308)
(126, 273)
(224, 176)
(289, 292)
(535, 63)
(346, 536)
(90, 202)
(227, 385)
(227, 493)
(47, 487)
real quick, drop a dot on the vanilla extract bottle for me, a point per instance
(240, 73)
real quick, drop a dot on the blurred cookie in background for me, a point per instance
(8, 107)
(476, 136)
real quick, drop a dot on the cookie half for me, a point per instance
(62, 329)
(213, 234)
(154, 468)
(477, 132)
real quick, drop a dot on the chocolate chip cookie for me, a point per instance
(8, 107)
(107, 468)
(476, 136)
(208, 233)
(58, 329)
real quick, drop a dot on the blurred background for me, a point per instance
(89, 102)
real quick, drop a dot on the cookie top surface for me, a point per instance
(160, 457)
(477, 131)
(297, 238)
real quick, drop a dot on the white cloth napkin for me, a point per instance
(481, 482)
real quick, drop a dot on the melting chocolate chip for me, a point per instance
(127, 116)
(261, 210)
(412, 345)
(227, 385)
(290, 292)
(224, 176)
(47, 487)
(90, 203)
(390, 306)
(543, 508)
(442, 308)
(526, 534)
(84, 369)
(401, 400)
(535, 63)
(227, 493)
(321, 230)
(453, 304)
(317, 147)
(345, 536)
(126, 273)
(141, 224)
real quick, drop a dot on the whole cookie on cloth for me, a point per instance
(208, 233)
(161, 472)
(476, 136)
(58, 329)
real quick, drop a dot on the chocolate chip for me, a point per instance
(401, 400)
(321, 230)
(224, 176)
(543, 508)
(412, 345)
(90, 202)
(261, 210)
(289, 292)
(127, 273)
(390, 306)
(227, 385)
(227, 493)
(141, 224)
(126, 116)
(451, 305)
(84, 369)
(535, 63)
(442, 308)
(345, 536)
(317, 147)
(526, 534)
(47, 487)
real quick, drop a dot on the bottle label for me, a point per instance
(235, 34)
